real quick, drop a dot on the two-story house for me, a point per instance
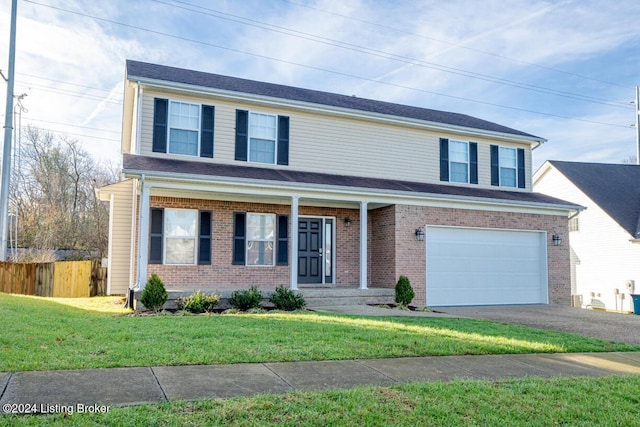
(233, 182)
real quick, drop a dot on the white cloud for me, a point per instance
(589, 38)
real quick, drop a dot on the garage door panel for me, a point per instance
(474, 266)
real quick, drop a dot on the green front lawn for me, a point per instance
(611, 401)
(39, 334)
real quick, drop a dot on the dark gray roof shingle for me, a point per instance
(615, 188)
(136, 69)
(136, 163)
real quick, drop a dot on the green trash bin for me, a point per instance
(636, 303)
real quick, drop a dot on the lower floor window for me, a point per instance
(260, 238)
(180, 236)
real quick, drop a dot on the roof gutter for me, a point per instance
(308, 106)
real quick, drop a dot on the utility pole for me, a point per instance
(637, 126)
(6, 152)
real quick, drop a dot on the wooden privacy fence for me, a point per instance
(66, 279)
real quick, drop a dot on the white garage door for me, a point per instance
(479, 266)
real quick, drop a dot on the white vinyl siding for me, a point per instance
(120, 244)
(594, 269)
(326, 143)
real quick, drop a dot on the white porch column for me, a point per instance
(143, 233)
(363, 245)
(293, 271)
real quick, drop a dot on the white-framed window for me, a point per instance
(184, 128)
(574, 224)
(180, 234)
(262, 137)
(508, 161)
(261, 234)
(458, 161)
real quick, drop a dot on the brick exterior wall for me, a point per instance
(392, 247)
(410, 254)
(222, 274)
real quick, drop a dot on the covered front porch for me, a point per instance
(260, 235)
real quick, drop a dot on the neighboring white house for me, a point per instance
(605, 237)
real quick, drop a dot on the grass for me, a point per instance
(41, 334)
(611, 401)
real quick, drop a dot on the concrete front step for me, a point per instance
(328, 297)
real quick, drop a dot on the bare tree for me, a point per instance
(54, 194)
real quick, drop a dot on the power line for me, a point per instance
(75, 126)
(64, 82)
(497, 55)
(388, 55)
(182, 38)
(78, 134)
(68, 92)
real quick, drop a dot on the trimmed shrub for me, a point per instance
(404, 291)
(246, 299)
(154, 294)
(285, 299)
(198, 302)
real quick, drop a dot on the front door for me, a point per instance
(310, 250)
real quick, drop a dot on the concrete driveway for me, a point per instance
(592, 323)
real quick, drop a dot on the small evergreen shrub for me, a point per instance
(285, 299)
(154, 294)
(404, 291)
(198, 302)
(246, 299)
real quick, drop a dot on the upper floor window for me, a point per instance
(507, 167)
(183, 128)
(262, 138)
(458, 161)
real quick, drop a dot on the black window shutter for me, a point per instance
(473, 162)
(521, 179)
(156, 227)
(283, 140)
(206, 131)
(444, 159)
(283, 240)
(242, 134)
(239, 220)
(495, 166)
(204, 238)
(160, 114)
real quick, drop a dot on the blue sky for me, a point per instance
(563, 70)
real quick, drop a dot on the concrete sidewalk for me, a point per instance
(97, 389)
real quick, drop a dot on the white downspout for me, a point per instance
(139, 121)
